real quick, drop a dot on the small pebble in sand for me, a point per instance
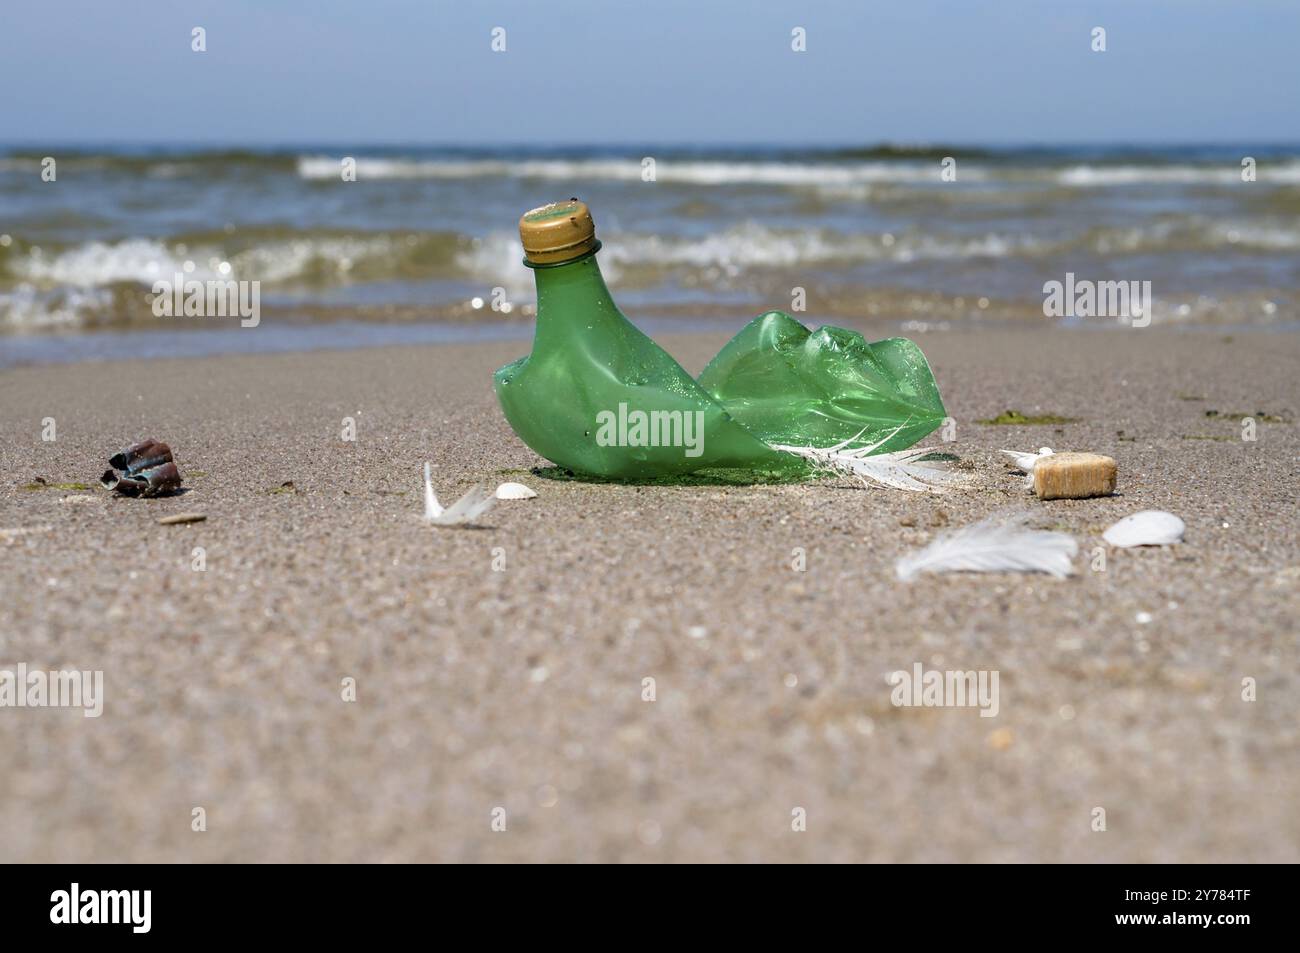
(697, 631)
(1000, 740)
(182, 518)
(13, 532)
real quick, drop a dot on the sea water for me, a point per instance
(427, 237)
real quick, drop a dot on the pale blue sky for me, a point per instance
(654, 71)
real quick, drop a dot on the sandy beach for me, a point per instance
(522, 689)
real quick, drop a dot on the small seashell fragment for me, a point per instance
(147, 469)
(1147, 528)
(1074, 476)
(514, 491)
(182, 518)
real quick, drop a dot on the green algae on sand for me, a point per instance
(1014, 418)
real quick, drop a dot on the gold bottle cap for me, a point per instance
(557, 232)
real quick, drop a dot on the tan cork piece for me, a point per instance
(1074, 476)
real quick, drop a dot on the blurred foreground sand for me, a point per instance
(522, 689)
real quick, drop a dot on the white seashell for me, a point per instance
(515, 491)
(1147, 528)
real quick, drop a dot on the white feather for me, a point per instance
(465, 510)
(993, 545)
(1146, 528)
(901, 469)
(432, 508)
(1025, 460)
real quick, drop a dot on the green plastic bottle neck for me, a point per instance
(572, 296)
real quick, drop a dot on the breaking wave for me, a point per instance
(792, 174)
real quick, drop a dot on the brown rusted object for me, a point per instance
(147, 469)
(1074, 476)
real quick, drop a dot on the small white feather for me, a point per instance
(902, 469)
(515, 491)
(1146, 528)
(432, 508)
(1025, 460)
(465, 510)
(993, 545)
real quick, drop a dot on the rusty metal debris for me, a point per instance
(146, 469)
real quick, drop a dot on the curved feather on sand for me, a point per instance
(900, 469)
(465, 510)
(993, 545)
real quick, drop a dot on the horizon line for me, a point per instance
(859, 145)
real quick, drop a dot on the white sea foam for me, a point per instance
(498, 261)
(683, 172)
(1094, 176)
(285, 261)
(101, 263)
(145, 261)
(497, 258)
(832, 175)
(1265, 236)
(25, 308)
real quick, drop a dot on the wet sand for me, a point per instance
(522, 689)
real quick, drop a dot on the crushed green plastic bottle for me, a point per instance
(597, 396)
